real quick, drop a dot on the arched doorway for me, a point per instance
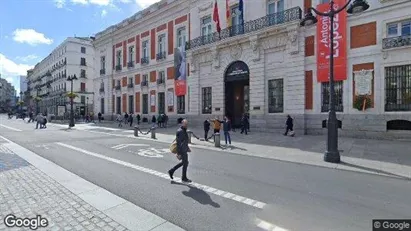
(237, 93)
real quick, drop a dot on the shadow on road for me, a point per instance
(198, 195)
(374, 170)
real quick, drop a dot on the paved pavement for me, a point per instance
(230, 191)
(362, 155)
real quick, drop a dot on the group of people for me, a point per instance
(160, 121)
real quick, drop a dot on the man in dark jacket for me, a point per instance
(206, 129)
(182, 151)
(289, 125)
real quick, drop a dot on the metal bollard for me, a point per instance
(217, 140)
(190, 133)
(153, 133)
(136, 131)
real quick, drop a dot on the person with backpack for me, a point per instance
(182, 150)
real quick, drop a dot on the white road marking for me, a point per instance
(121, 146)
(269, 226)
(13, 129)
(217, 192)
(45, 146)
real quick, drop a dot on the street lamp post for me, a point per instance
(21, 101)
(332, 153)
(71, 79)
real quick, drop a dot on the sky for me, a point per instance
(31, 29)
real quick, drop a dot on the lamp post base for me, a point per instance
(332, 156)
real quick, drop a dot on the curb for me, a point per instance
(120, 210)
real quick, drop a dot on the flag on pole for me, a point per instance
(216, 17)
(227, 13)
(241, 9)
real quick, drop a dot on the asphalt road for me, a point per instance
(298, 197)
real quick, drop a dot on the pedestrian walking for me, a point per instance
(131, 119)
(125, 118)
(39, 120)
(289, 123)
(99, 115)
(182, 152)
(226, 130)
(244, 124)
(206, 129)
(120, 120)
(153, 121)
(138, 117)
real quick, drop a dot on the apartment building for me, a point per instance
(7, 95)
(135, 61)
(47, 81)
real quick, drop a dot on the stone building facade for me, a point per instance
(135, 61)
(47, 82)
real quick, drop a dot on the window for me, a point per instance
(118, 56)
(118, 83)
(130, 80)
(325, 96)
(161, 103)
(275, 6)
(399, 29)
(398, 88)
(82, 73)
(83, 50)
(145, 103)
(83, 61)
(118, 105)
(324, 1)
(206, 30)
(83, 99)
(82, 86)
(181, 37)
(207, 99)
(161, 43)
(145, 78)
(181, 104)
(275, 96)
(102, 105)
(130, 54)
(145, 49)
(161, 77)
(130, 104)
(102, 62)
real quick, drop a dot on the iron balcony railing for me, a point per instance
(144, 83)
(118, 87)
(102, 71)
(101, 90)
(161, 55)
(160, 81)
(118, 67)
(290, 15)
(393, 42)
(144, 60)
(130, 85)
(130, 64)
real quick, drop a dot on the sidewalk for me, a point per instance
(382, 157)
(67, 201)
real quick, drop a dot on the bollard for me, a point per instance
(217, 140)
(190, 133)
(153, 133)
(136, 131)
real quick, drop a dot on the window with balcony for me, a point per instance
(276, 96)
(398, 34)
(181, 37)
(206, 99)
(145, 103)
(102, 106)
(144, 81)
(161, 79)
(131, 104)
(325, 96)
(145, 52)
(118, 85)
(206, 29)
(102, 65)
(118, 60)
(273, 8)
(82, 61)
(130, 57)
(83, 50)
(398, 88)
(161, 102)
(161, 47)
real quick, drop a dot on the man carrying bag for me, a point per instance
(180, 147)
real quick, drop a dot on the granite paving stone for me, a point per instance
(25, 191)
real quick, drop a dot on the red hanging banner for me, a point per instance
(180, 69)
(340, 43)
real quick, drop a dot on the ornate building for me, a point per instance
(135, 61)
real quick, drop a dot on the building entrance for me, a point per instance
(237, 93)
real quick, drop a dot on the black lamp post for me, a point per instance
(332, 154)
(71, 78)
